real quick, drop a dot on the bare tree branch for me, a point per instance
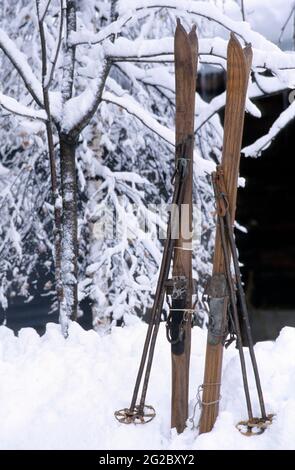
(42, 14)
(243, 10)
(92, 96)
(285, 24)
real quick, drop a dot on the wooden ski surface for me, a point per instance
(238, 68)
(186, 53)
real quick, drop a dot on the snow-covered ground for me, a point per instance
(61, 394)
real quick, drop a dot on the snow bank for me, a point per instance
(61, 394)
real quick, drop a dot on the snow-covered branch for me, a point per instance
(79, 110)
(87, 37)
(127, 176)
(162, 50)
(204, 10)
(129, 104)
(19, 60)
(260, 87)
(13, 106)
(261, 144)
(132, 107)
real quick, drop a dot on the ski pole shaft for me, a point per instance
(179, 191)
(157, 306)
(245, 313)
(233, 304)
(158, 302)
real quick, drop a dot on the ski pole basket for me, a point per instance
(136, 416)
(254, 426)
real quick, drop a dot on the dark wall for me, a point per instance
(266, 206)
(37, 313)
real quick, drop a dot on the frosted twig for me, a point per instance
(285, 24)
(58, 46)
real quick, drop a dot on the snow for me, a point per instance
(3, 171)
(61, 393)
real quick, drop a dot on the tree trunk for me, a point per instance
(69, 246)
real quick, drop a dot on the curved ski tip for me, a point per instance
(248, 49)
(179, 26)
(248, 54)
(243, 54)
(234, 44)
(233, 38)
(193, 34)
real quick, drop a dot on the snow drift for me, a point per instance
(61, 394)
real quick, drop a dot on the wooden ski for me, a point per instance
(238, 68)
(179, 321)
(186, 53)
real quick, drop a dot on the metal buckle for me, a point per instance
(180, 287)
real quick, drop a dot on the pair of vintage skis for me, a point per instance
(178, 246)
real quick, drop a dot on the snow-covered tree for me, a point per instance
(87, 103)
